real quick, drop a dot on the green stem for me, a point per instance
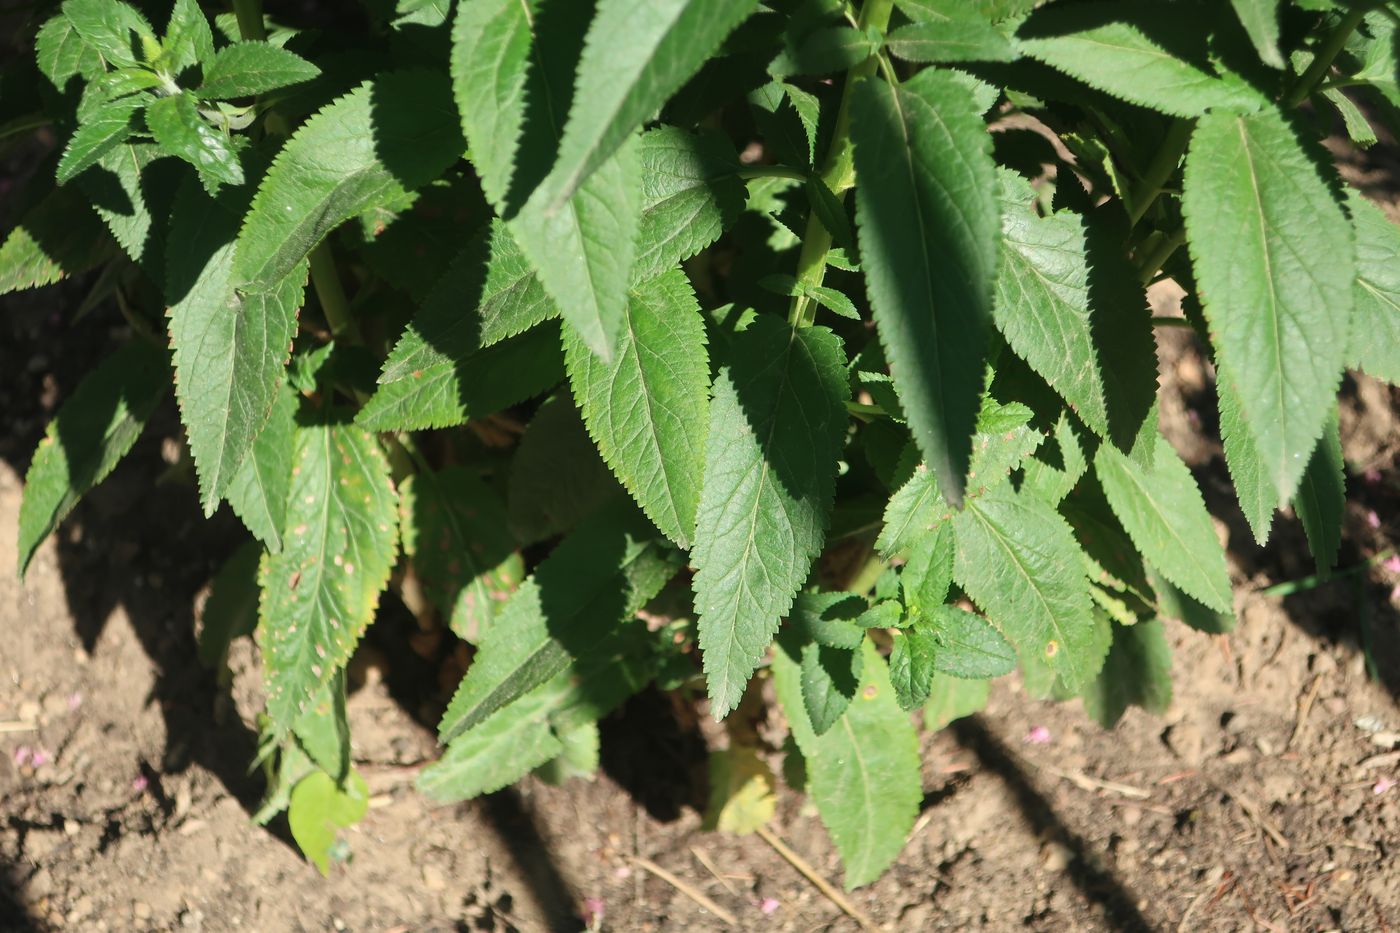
(250, 19)
(838, 171)
(1162, 250)
(1326, 54)
(326, 280)
(1163, 164)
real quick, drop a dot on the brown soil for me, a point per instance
(1256, 803)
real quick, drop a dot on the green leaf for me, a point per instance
(1054, 482)
(1131, 50)
(231, 346)
(597, 577)
(91, 433)
(1163, 512)
(57, 237)
(580, 758)
(323, 732)
(928, 221)
(319, 809)
(1321, 498)
(231, 610)
(188, 40)
(62, 53)
(967, 644)
(863, 774)
(635, 57)
(544, 500)
(1358, 129)
(259, 489)
(1375, 330)
(950, 31)
(928, 572)
(1273, 256)
(825, 50)
(368, 148)
(912, 653)
(953, 698)
(491, 44)
(245, 69)
(1172, 603)
(647, 410)
(122, 190)
(1137, 672)
(1018, 560)
(830, 677)
(1260, 20)
(828, 298)
(456, 532)
(180, 131)
(115, 29)
(1254, 487)
(776, 425)
(1042, 300)
(690, 194)
(320, 592)
(105, 128)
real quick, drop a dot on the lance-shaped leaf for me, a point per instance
(912, 653)
(231, 346)
(102, 131)
(1042, 300)
(1254, 487)
(863, 773)
(456, 533)
(597, 577)
(770, 469)
(1142, 53)
(1163, 512)
(188, 40)
(1321, 498)
(320, 592)
(636, 56)
(648, 409)
(87, 439)
(180, 131)
(949, 31)
(1273, 256)
(62, 53)
(1018, 560)
(245, 69)
(368, 148)
(929, 232)
(1260, 20)
(260, 486)
(1137, 672)
(57, 237)
(1375, 332)
(690, 194)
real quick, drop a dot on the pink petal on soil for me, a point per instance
(768, 905)
(75, 700)
(1392, 563)
(1372, 476)
(1382, 785)
(1372, 519)
(1039, 735)
(140, 783)
(23, 755)
(40, 757)
(592, 910)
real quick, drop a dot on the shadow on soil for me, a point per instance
(14, 918)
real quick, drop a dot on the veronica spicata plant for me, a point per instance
(710, 342)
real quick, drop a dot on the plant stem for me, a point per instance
(1161, 251)
(326, 280)
(838, 171)
(250, 19)
(1326, 54)
(771, 171)
(1163, 164)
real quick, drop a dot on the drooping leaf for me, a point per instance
(1375, 332)
(245, 69)
(1260, 20)
(1134, 51)
(770, 463)
(647, 410)
(741, 791)
(320, 592)
(370, 147)
(635, 57)
(231, 347)
(1254, 487)
(93, 430)
(105, 128)
(180, 131)
(863, 774)
(456, 532)
(690, 194)
(259, 488)
(597, 577)
(1321, 498)
(1163, 512)
(1042, 300)
(1018, 560)
(58, 237)
(1273, 256)
(319, 809)
(929, 236)
(1137, 672)
(231, 610)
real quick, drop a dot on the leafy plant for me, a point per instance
(694, 342)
